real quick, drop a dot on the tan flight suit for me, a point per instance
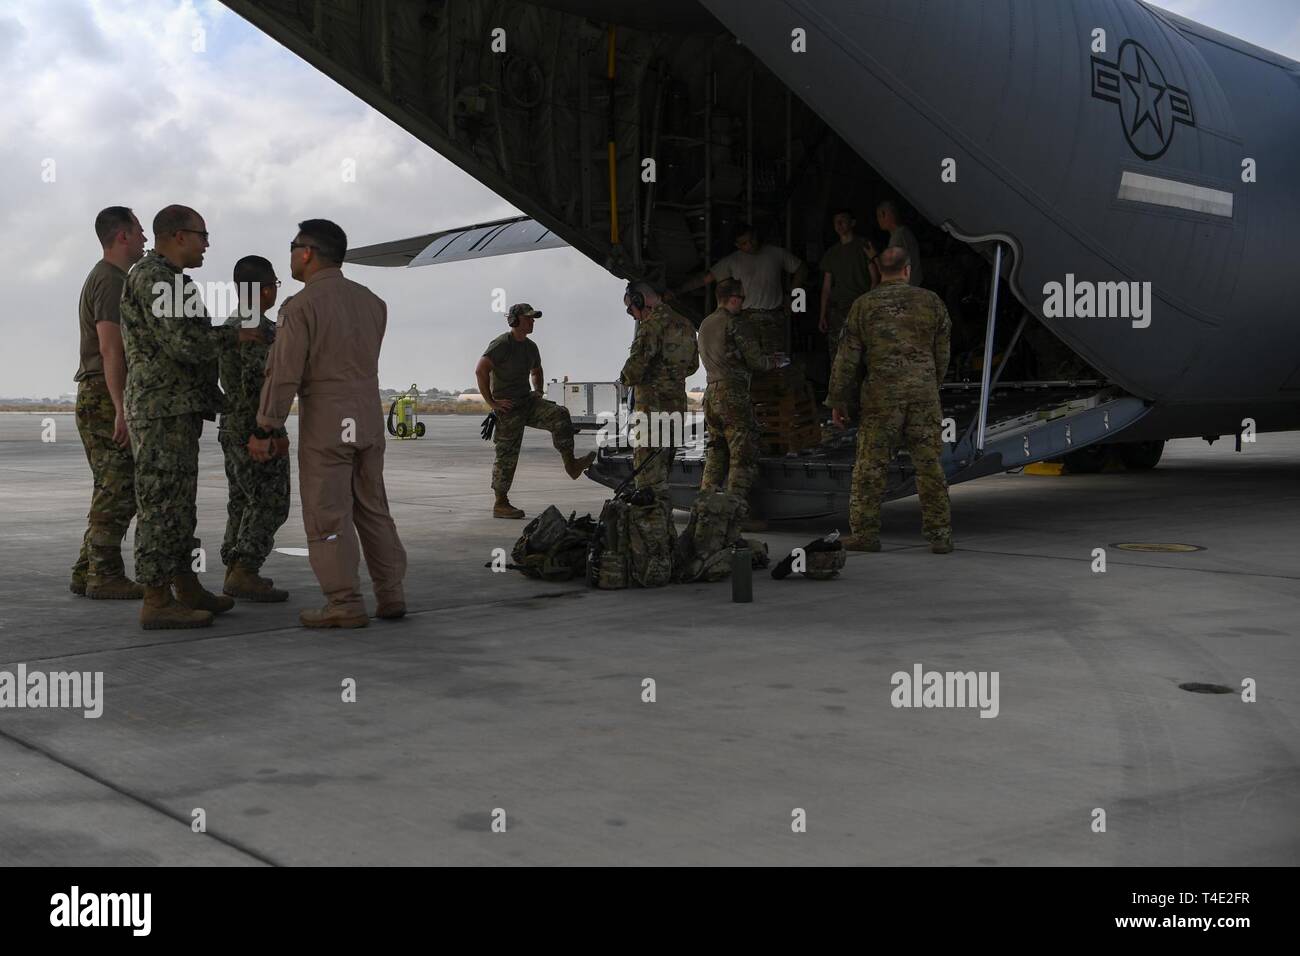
(327, 351)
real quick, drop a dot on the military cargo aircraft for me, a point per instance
(1105, 194)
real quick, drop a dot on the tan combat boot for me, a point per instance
(116, 588)
(856, 542)
(243, 582)
(161, 611)
(576, 466)
(504, 509)
(392, 610)
(330, 616)
(261, 577)
(194, 595)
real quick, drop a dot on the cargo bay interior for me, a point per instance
(731, 144)
(644, 145)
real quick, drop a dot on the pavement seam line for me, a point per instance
(143, 801)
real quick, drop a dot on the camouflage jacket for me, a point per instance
(899, 336)
(663, 354)
(171, 358)
(731, 350)
(744, 351)
(242, 372)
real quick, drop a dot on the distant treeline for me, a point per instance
(423, 408)
(447, 408)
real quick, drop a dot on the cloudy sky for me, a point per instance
(110, 101)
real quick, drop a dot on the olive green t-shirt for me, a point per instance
(850, 278)
(904, 238)
(512, 363)
(100, 297)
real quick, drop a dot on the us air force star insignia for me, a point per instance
(1149, 106)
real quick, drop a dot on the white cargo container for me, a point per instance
(586, 400)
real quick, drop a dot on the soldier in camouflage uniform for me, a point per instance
(503, 373)
(901, 336)
(172, 351)
(101, 417)
(730, 351)
(258, 502)
(663, 355)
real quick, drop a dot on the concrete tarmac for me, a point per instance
(504, 698)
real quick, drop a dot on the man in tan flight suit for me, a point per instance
(327, 352)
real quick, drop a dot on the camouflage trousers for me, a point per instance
(112, 503)
(918, 427)
(655, 475)
(166, 454)
(731, 461)
(257, 505)
(771, 327)
(835, 319)
(532, 412)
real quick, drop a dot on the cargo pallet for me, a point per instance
(787, 416)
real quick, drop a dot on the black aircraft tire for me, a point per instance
(1085, 461)
(1142, 455)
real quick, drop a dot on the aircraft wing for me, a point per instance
(502, 237)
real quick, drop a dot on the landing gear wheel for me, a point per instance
(1085, 461)
(419, 429)
(1142, 455)
(402, 430)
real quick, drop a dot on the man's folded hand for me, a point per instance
(259, 449)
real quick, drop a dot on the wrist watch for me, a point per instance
(260, 433)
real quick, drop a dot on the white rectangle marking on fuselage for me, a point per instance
(1138, 187)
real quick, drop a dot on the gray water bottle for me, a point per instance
(742, 576)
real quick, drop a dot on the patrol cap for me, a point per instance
(729, 287)
(521, 310)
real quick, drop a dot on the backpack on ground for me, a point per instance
(703, 551)
(553, 548)
(607, 557)
(633, 544)
(758, 556)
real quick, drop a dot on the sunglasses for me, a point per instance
(302, 245)
(197, 232)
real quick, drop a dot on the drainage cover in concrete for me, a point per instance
(1156, 546)
(1206, 688)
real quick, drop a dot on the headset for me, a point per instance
(636, 300)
